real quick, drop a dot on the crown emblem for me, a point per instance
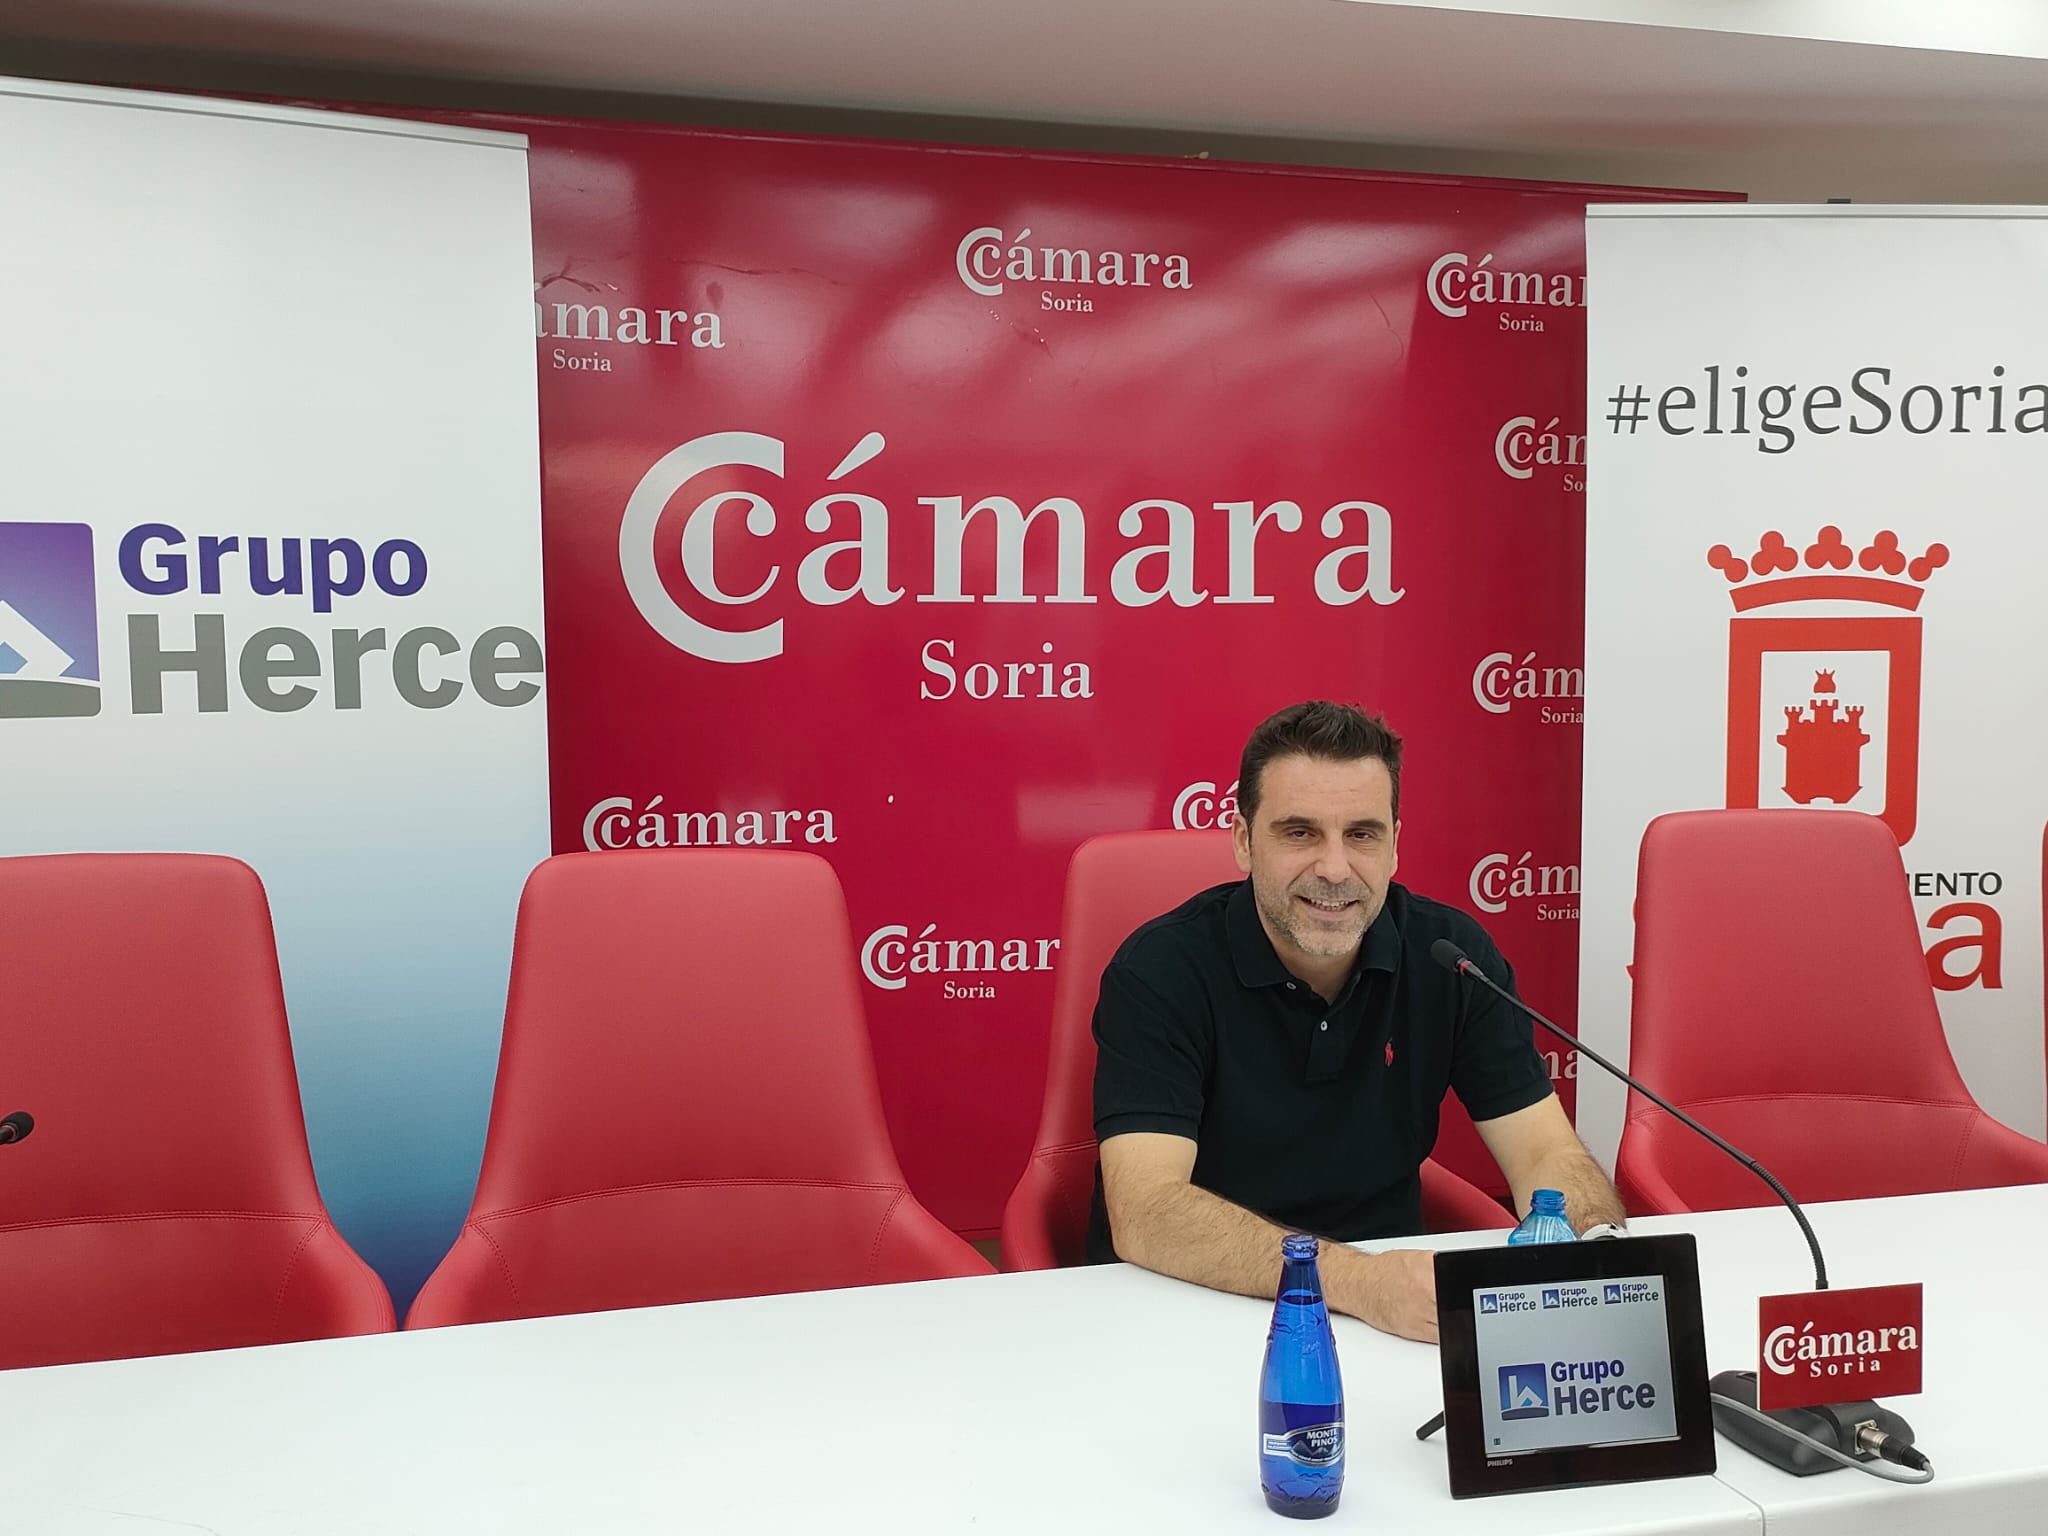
(1773, 575)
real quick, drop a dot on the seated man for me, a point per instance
(1272, 1055)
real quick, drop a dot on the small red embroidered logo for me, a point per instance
(1390, 1053)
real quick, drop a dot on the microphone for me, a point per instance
(1454, 959)
(16, 1126)
(1794, 1439)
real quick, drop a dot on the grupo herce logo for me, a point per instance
(234, 653)
(49, 621)
(1525, 1391)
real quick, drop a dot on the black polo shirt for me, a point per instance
(1316, 1115)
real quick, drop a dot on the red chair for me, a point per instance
(686, 1104)
(1114, 884)
(165, 1200)
(1782, 998)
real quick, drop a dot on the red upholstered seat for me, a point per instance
(686, 1104)
(1114, 884)
(165, 1200)
(1782, 998)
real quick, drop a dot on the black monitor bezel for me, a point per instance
(1460, 1272)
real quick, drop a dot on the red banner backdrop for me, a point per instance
(935, 509)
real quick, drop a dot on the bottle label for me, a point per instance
(1312, 1445)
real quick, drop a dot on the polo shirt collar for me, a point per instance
(1258, 964)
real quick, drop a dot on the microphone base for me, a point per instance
(1830, 1423)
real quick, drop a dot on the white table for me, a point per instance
(1983, 1258)
(1092, 1400)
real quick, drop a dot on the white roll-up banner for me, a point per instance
(270, 574)
(1818, 450)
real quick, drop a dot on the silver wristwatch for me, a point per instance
(1602, 1229)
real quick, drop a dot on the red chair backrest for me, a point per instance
(1115, 883)
(686, 1105)
(165, 1200)
(1781, 997)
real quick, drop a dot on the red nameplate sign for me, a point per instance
(1837, 1346)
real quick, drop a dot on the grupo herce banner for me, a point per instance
(270, 577)
(1817, 445)
(933, 510)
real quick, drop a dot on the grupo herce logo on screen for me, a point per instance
(49, 621)
(1525, 1391)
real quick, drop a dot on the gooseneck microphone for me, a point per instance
(16, 1126)
(1452, 958)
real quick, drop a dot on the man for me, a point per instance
(1272, 1055)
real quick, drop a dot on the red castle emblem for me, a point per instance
(1825, 739)
(1823, 747)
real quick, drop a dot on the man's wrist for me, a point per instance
(1342, 1276)
(1601, 1229)
(1350, 1278)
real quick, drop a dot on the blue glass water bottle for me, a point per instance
(1301, 1396)
(1545, 1222)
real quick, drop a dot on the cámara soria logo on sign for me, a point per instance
(1523, 445)
(988, 260)
(892, 955)
(735, 544)
(1458, 284)
(49, 621)
(1811, 1340)
(1824, 706)
(592, 325)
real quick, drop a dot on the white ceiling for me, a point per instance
(1961, 26)
(1441, 84)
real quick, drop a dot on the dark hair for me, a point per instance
(1335, 733)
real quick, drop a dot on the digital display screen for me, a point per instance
(1574, 1363)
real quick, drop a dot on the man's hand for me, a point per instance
(1394, 1291)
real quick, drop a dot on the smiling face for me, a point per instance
(1321, 850)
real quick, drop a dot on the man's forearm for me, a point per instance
(1589, 1196)
(1180, 1230)
(1187, 1232)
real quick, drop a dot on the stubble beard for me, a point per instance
(1324, 944)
